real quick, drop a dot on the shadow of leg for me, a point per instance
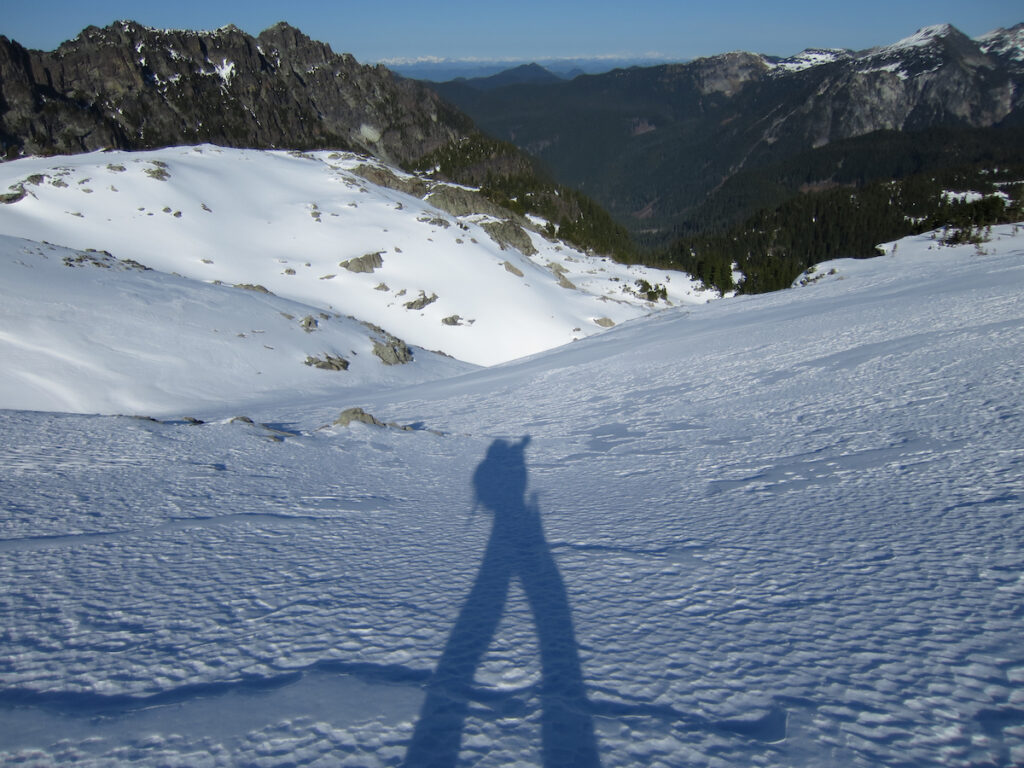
(567, 725)
(435, 742)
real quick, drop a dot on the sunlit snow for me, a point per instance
(287, 222)
(772, 530)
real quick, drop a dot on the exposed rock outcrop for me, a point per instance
(560, 270)
(421, 301)
(349, 415)
(364, 264)
(131, 87)
(385, 177)
(328, 362)
(459, 201)
(390, 349)
(509, 234)
(359, 416)
(253, 287)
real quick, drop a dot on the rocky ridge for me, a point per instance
(127, 86)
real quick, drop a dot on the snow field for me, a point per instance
(286, 221)
(788, 528)
(82, 331)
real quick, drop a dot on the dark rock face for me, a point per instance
(131, 87)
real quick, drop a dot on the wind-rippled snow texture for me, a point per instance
(789, 529)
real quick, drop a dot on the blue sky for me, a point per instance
(531, 29)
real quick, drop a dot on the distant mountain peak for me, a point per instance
(282, 26)
(928, 50)
(284, 35)
(532, 73)
(925, 36)
(937, 37)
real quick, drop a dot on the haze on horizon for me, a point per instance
(532, 30)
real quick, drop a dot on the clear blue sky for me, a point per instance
(530, 29)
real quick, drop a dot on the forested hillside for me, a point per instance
(843, 200)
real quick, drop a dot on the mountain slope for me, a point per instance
(132, 87)
(652, 144)
(435, 264)
(81, 331)
(782, 530)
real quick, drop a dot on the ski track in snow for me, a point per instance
(789, 529)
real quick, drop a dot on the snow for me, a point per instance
(774, 530)
(812, 57)
(84, 332)
(923, 38)
(225, 71)
(899, 58)
(1004, 42)
(972, 197)
(287, 220)
(893, 67)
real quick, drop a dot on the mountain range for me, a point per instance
(673, 164)
(656, 145)
(437, 69)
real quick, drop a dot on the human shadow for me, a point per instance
(517, 549)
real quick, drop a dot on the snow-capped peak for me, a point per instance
(926, 51)
(1005, 43)
(923, 37)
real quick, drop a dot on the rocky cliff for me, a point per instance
(130, 87)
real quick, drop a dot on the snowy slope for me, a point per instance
(84, 332)
(288, 222)
(780, 530)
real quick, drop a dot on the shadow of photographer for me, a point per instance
(516, 549)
